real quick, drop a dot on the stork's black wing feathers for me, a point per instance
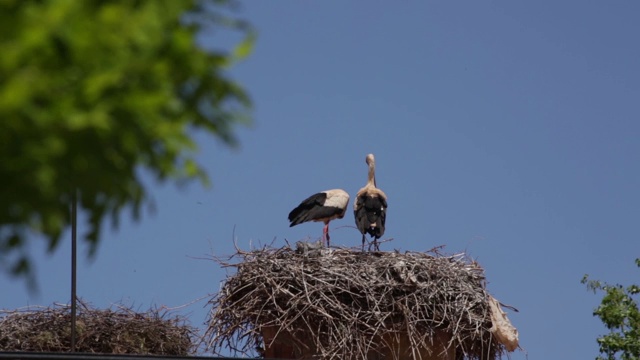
(312, 209)
(301, 211)
(370, 214)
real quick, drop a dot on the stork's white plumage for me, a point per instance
(370, 206)
(323, 206)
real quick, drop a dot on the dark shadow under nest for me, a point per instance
(346, 304)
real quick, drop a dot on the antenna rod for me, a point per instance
(74, 223)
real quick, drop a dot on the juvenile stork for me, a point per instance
(323, 206)
(370, 207)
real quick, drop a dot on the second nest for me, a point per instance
(340, 303)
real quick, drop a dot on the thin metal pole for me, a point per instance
(74, 218)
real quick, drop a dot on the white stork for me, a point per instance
(323, 206)
(370, 207)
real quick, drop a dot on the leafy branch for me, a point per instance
(619, 313)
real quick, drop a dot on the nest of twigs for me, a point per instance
(346, 304)
(118, 330)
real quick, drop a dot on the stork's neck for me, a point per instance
(372, 175)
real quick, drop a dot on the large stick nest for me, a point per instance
(344, 304)
(110, 331)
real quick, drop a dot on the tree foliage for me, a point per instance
(93, 91)
(619, 313)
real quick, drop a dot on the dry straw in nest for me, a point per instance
(345, 304)
(111, 331)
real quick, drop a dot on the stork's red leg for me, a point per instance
(325, 233)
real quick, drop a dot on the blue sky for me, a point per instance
(508, 130)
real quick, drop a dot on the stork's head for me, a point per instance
(370, 159)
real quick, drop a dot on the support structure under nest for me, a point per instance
(345, 304)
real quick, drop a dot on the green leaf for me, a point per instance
(244, 49)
